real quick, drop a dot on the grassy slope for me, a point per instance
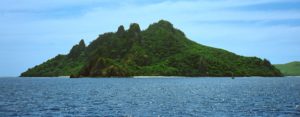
(290, 69)
(60, 65)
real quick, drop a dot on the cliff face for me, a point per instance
(160, 50)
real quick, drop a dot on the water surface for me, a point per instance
(149, 97)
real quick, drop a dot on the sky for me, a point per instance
(33, 31)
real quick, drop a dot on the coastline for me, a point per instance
(158, 76)
(146, 77)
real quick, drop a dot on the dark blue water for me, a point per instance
(149, 97)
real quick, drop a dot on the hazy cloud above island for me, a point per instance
(33, 31)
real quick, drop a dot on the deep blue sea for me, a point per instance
(150, 97)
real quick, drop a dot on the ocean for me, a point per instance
(155, 97)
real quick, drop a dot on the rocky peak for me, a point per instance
(165, 24)
(82, 44)
(77, 49)
(134, 27)
(121, 30)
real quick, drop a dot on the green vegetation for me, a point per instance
(61, 65)
(161, 50)
(289, 69)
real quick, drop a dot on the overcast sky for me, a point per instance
(33, 31)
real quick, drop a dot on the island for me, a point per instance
(159, 50)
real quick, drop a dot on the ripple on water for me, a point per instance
(150, 97)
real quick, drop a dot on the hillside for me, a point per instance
(160, 50)
(289, 69)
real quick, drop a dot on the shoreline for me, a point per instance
(153, 77)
